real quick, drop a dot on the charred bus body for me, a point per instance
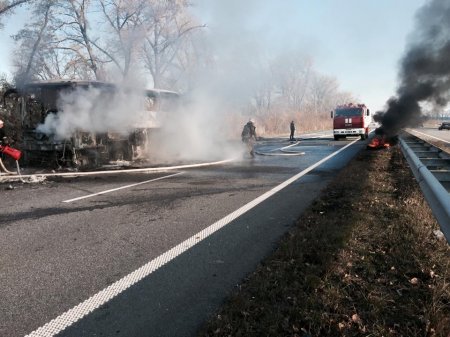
(84, 147)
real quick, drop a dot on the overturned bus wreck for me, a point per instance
(48, 138)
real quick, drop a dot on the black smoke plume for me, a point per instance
(424, 73)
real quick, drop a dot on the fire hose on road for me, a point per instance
(283, 150)
(13, 153)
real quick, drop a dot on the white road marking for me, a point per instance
(121, 188)
(73, 315)
(424, 134)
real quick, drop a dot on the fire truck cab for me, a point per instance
(351, 120)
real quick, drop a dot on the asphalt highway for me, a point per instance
(151, 253)
(432, 133)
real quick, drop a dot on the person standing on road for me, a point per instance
(291, 137)
(248, 137)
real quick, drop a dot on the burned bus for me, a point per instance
(86, 124)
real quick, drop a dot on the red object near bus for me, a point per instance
(13, 153)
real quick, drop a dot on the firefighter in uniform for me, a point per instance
(292, 126)
(248, 137)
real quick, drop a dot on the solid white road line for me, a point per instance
(73, 315)
(424, 134)
(121, 188)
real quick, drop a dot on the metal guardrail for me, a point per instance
(431, 168)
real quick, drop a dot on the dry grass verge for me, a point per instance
(363, 260)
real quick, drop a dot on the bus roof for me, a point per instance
(86, 83)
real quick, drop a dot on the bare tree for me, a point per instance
(290, 89)
(167, 24)
(123, 30)
(75, 40)
(293, 78)
(192, 59)
(33, 45)
(322, 92)
(7, 6)
(266, 90)
(125, 21)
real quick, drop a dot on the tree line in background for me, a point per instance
(159, 42)
(102, 39)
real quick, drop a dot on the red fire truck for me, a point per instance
(351, 120)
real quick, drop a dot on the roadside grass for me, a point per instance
(363, 260)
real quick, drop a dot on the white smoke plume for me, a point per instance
(95, 109)
(211, 113)
(214, 112)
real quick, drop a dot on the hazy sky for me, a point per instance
(360, 42)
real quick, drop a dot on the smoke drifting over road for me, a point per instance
(220, 87)
(234, 47)
(95, 110)
(424, 73)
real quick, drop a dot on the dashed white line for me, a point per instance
(121, 188)
(73, 315)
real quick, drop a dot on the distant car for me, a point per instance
(444, 125)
